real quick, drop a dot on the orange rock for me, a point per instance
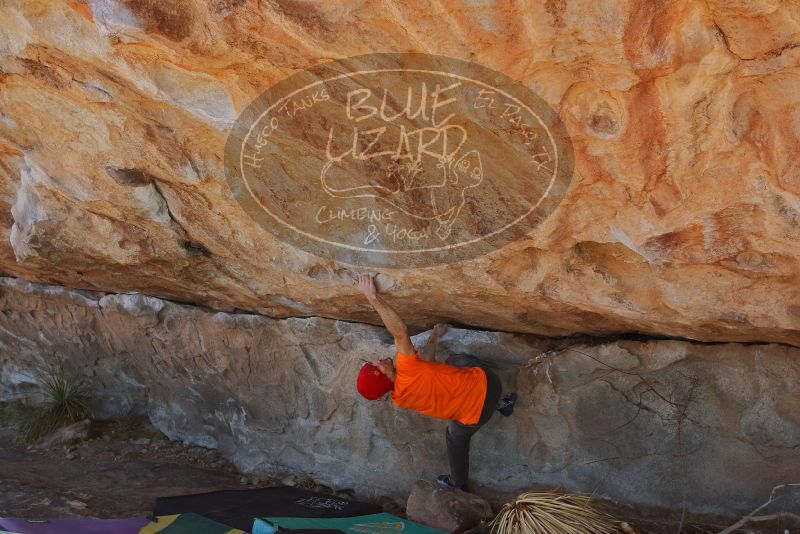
(682, 217)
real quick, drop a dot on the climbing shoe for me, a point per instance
(445, 480)
(506, 404)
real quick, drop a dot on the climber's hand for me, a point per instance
(366, 284)
(440, 329)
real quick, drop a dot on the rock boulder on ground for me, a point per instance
(66, 435)
(446, 508)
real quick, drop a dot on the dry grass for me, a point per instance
(552, 513)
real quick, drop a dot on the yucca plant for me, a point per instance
(64, 404)
(551, 513)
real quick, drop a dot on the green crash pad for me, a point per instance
(187, 524)
(363, 524)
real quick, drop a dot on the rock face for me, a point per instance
(682, 216)
(449, 509)
(662, 423)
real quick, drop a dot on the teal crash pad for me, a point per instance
(362, 524)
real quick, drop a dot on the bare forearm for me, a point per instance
(394, 324)
(392, 321)
(428, 352)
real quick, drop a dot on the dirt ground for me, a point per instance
(117, 474)
(121, 470)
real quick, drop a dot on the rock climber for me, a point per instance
(462, 389)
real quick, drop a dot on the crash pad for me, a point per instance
(366, 524)
(238, 508)
(85, 525)
(187, 524)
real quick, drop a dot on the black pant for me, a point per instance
(458, 435)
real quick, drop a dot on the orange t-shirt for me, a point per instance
(439, 390)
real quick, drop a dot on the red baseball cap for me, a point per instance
(371, 383)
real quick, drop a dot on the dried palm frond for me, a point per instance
(552, 513)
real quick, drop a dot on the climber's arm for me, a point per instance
(428, 352)
(394, 324)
